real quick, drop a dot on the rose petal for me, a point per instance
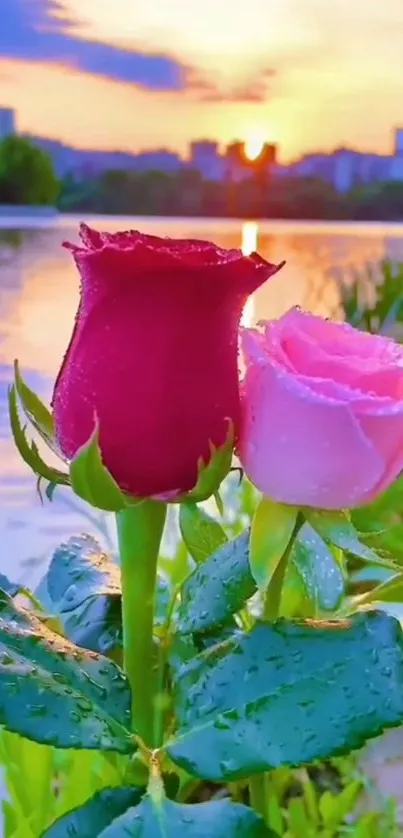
(385, 430)
(340, 339)
(111, 264)
(378, 373)
(303, 448)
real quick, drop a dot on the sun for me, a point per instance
(253, 147)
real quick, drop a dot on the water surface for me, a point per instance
(38, 300)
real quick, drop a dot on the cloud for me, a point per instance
(253, 89)
(29, 31)
(41, 31)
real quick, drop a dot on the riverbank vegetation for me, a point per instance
(187, 193)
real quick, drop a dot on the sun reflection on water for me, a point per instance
(250, 230)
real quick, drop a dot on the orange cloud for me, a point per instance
(338, 74)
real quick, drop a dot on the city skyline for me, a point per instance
(111, 75)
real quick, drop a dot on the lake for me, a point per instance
(38, 300)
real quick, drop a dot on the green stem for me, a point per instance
(160, 710)
(140, 531)
(272, 600)
(257, 784)
(257, 794)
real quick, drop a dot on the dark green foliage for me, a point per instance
(83, 584)
(96, 815)
(26, 173)
(217, 588)
(288, 693)
(161, 818)
(372, 299)
(55, 693)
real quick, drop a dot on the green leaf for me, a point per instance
(30, 793)
(389, 502)
(176, 568)
(336, 527)
(384, 537)
(91, 819)
(298, 819)
(319, 570)
(166, 819)
(219, 503)
(389, 591)
(295, 600)
(272, 527)
(84, 586)
(91, 481)
(200, 532)
(212, 473)
(218, 588)
(288, 694)
(36, 412)
(218, 635)
(29, 451)
(334, 808)
(56, 694)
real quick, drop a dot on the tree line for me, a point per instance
(27, 176)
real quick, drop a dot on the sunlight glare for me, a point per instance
(253, 147)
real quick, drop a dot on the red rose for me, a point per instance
(154, 354)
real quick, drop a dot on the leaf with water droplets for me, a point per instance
(83, 583)
(287, 693)
(163, 818)
(272, 527)
(95, 815)
(318, 569)
(200, 532)
(336, 527)
(55, 693)
(84, 587)
(217, 589)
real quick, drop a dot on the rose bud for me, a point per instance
(154, 355)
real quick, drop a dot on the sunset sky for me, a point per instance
(130, 74)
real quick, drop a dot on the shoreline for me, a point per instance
(27, 211)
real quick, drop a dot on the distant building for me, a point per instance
(239, 166)
(206, 158)
(268, 156)
(7, 122)
(395, 167)
(160, 160)
(87, 163)
(398, 141)
(236, 163)
(346, 168)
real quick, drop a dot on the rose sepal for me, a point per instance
(210, 473)
(91, 481)
(38, 415)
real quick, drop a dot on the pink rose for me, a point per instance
(322, 412)
(154, 355)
